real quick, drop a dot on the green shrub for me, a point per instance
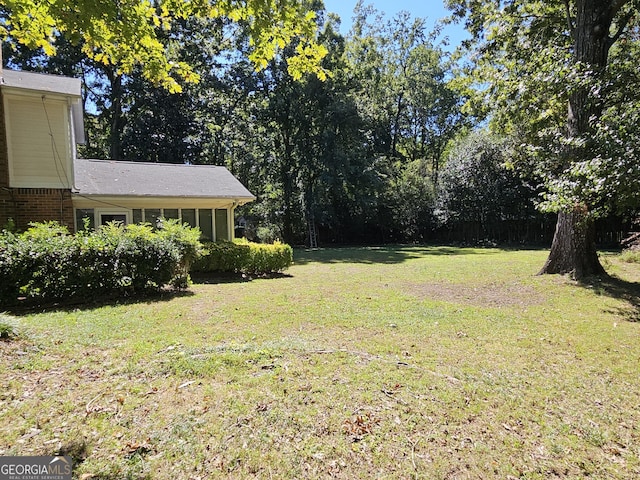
(268, 233)
(630, 256)
(8, 327)
(47, 263)
(246, 257)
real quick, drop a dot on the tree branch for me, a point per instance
(567, 9)
(617, 5)
(621, 28)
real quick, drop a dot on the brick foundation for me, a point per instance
(25, 205)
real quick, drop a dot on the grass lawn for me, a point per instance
(407, 362)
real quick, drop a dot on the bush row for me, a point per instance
(46, 263)
(245, 257)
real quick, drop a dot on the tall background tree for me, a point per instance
(547, 69)
(405, 97)
(480, 199)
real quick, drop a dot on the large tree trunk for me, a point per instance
(115, 132)
(286, 177)
(573, 249)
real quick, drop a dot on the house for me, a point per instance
(42, 179)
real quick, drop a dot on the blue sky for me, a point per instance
(430, 10)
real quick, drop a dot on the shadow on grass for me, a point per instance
(211, 278)
(381, 255)
(620, 289)
(26, 307)
(29, 306)
(77, 449)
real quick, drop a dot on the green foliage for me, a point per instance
(356, 155)
(8, 327)
(10, 225)
(609, 177)
(630, 256)
(533, 59)
(352, 155)
(410, 202)
(45, 263)
(246, 257)
(129, 33)
(222, 257)
(476, 185)
(268, 233)
(185, 239)
(632, 242)
(405, 86)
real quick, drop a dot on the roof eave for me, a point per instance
(247, 198)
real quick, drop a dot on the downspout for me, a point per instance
(12, 221)
(74, 154)
(231, 221)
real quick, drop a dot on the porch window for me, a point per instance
(213, 224)
(189, 216)
(222, 225)
(116, 217)
(171, 213)
(205, 222)
(83, 214)
(151, 215)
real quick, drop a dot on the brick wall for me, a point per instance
(42, 204)
(25, 205)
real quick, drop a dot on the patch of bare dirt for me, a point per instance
(488, 295)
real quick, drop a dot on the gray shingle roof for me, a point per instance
(41, 82)
(138, 179)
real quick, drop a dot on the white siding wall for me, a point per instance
(34, 160)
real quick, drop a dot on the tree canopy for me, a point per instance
(553, 74)
(128, 33)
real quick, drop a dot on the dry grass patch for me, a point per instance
(491, 295)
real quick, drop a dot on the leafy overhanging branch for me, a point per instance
(125, 34)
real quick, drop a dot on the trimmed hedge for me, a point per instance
(244, 257)
(46, 263)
